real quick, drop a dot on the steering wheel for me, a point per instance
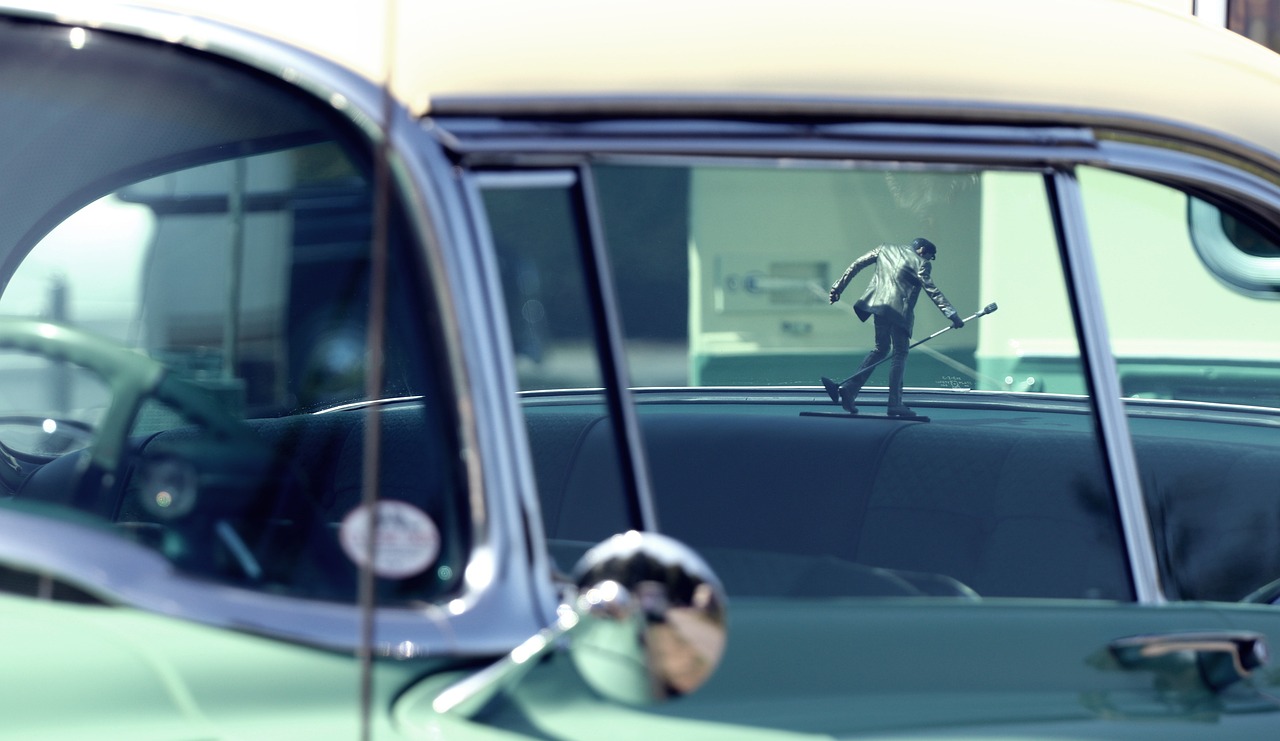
(229, 460)
(131, 378)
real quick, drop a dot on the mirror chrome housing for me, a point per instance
(647, 623)
(652, 619)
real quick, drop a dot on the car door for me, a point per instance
(991, 568)
(1186, 262)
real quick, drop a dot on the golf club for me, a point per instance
(983, 312)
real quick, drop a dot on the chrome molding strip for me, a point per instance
(561, 152)
(485, 617)
(686, 125)
(771, 109)
(606, 324)
(502, 578)
(476, 272)
(388, 401)
(515, 144)
(1104, 379)
(608, 319)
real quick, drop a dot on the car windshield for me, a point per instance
(183, 291)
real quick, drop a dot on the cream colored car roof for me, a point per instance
(1109, 59)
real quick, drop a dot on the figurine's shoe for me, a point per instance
(833, 389)
(900, 410)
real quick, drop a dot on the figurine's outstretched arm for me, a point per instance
(838, 287)
(939, 300)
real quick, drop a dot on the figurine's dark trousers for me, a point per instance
(890, 337)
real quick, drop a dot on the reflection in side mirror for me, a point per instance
(647, 624)
(652, 618)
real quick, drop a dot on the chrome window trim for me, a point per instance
(577, 181)
(1104, 382)
(494, 611)
(475, 272)
(504, 616)
(563, 146)
(774, 110)
(640, 506)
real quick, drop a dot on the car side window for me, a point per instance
(541, 241)
(723, 274)
(1198, 362)
(187, 293)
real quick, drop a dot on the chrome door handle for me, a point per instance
(1223, 657)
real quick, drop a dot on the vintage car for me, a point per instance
(464, 383)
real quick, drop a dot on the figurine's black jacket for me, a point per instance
(895, 285)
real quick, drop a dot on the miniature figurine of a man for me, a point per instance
(901, 272)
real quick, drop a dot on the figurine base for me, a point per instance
(862, 415)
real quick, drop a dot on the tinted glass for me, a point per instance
(541, 240)
(1197, 359)
(538, 237)
(723, 274)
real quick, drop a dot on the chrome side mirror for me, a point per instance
(648, 623)
(652, 619)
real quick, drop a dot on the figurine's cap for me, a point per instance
(921, 244)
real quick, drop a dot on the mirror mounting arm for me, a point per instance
(647, 624)
(468, 696)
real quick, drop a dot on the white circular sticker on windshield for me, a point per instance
(408, 541)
